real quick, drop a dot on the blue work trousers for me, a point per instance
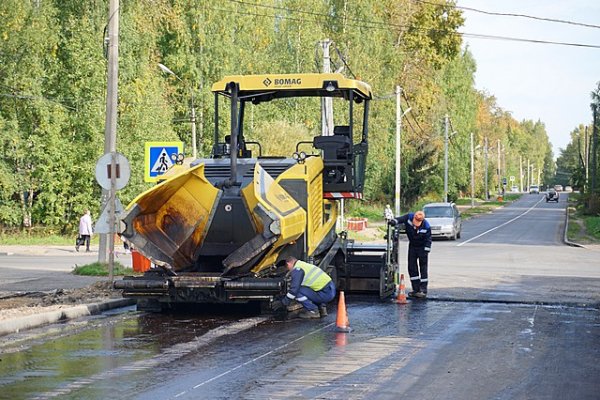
(311, 299)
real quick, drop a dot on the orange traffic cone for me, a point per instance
(342, 324)
(401, 299)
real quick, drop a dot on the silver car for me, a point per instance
(444, 219)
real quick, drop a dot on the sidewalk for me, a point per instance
(54, 250)
(37, 286)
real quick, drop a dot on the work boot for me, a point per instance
(417, 295)
(323, 310)
(307, 314)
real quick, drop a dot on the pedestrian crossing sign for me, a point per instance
(159, 158)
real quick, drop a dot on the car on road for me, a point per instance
(552, 195)
(558, 188)
(444, 219)
(568, 189)
(514, 189)
(534, 189)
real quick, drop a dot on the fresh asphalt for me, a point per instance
(513, 314)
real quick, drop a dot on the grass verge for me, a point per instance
(101, 269)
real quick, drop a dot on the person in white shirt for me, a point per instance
(85, 231)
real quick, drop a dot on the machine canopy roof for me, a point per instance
(270, 86)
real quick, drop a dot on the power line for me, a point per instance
(383, 25)
(560, 21)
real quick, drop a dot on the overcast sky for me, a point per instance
(538, 81)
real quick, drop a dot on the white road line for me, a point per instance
(500, 226)
(259, 357)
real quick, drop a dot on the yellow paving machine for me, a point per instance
(217, 229)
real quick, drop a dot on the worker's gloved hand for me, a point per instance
(393, 222)
(277, 305)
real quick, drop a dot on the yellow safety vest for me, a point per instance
(314, 277)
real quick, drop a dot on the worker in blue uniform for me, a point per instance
(418, 232)
(310, 286)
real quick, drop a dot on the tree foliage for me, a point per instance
(53, 83)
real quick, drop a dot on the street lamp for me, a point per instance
(399, 115)
(167, 70)
(473, 148)
(446, 140)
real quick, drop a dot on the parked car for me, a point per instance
(444, 219)
(534, 189)
(552, 195)
(558, 188)
(568, 189)
(514, 189)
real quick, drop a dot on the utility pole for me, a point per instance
(485, 152)
(472, 174)
(398, 147)
(193, 118)
(520, 173)
(498, 168)
(594, 150)
(326, 102)
(586, 158)
(528, 175)
(110, 132)
(446, 122)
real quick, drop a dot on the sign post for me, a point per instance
(112, 173)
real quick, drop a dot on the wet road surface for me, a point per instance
(435, 349)
(512, 314)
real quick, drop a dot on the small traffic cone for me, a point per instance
(342, 324)
(401, 299)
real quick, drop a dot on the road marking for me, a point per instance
(500, 226)
(168, 355)
(258, 358)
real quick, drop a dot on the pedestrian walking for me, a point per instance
(85, 231)
(418, 232)
(310, 286)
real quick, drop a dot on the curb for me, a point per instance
(565, 239)
(15, 325)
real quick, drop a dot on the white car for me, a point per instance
(444, 219)
(534, 189)
(514, 189)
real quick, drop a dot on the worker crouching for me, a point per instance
(309, 286)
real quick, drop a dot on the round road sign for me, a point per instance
(103, 171)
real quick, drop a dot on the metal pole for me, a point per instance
(594, 150)
(193, 117)
(485, 152)
(472, 173)
(327, 102)
(586, 160)
(528, 175)
(446, 158)
(498, 169)
(398, 147)
(520, 173)
(110, 133)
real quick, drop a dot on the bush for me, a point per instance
(101, 269)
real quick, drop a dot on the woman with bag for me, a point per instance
(85, 231)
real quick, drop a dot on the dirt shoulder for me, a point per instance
(15, 305)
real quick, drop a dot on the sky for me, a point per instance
(550, 83)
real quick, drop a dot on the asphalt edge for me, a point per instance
(15, 325)
(565, 239)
